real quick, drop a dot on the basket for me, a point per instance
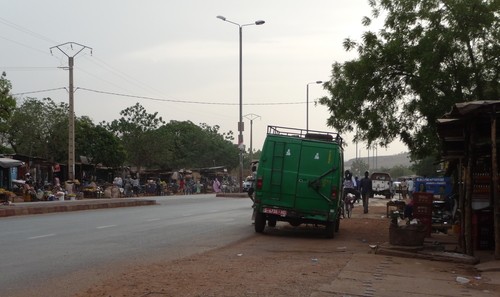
(409, 235)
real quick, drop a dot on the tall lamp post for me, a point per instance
(251, 117)
(307, 102)
(240, 123)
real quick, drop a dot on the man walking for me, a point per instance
(366, 188)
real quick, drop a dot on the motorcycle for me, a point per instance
(349, 201)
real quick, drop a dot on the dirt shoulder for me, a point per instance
(288, 261)
(285, 261)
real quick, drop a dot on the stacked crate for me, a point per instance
(422, 209)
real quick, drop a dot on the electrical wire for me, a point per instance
(39, 91)
(158, 99)
(185, 101)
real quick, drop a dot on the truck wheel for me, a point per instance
(271, 223)
(330, 229)
(260, 222)
(337, 224)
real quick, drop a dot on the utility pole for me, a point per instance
(71, 117)
(251, 117)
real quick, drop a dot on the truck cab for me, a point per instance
(299, 179)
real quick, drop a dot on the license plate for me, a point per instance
(275, 211)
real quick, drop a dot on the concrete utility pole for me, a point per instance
(71, 120)
(251, 117)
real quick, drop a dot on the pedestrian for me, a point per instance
(411, 187)
(216, 185)
(404, 188)
(366, 188)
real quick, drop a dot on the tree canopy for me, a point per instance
(429, 55)
(7, 106)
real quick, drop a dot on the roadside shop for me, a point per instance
(470, 151)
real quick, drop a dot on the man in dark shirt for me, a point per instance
(366, 188)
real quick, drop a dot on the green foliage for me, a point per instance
(149, 142)
(98, 144)
(400, 170)
(39, 128)
(7, 106)
(426, 167)
(429, 55)
(136, 130)
(187, 145)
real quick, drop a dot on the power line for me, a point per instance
(25, 30)
(185, 101)
(157, 99)
(39, 91)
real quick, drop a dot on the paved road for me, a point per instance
(51, 247)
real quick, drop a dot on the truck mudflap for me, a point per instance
(316, 184)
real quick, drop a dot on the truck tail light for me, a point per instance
(335, 193)
(259, 183)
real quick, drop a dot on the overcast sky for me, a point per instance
(181, 60)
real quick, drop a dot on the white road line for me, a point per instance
(107, 226)
(41, 236)
(152, 220)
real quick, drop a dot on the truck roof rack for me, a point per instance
(306, 134)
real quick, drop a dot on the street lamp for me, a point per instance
(307, 102)
(240, 123)
(251, 117)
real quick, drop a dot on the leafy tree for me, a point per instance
(425, 167)
(399, 170)
(429, 55)
(135, 128)
(39, 128)
(7, 106)
(98, 144)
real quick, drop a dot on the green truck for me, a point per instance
(299, 179)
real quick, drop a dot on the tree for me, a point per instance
(39, 128)
(429, 55)
(399, 170)
(425, 167)
(186, 145)
(7, 106)
(135, 128)
(98, 144)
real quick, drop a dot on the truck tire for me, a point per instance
(260, 222)
(330, 229)
(337, 224)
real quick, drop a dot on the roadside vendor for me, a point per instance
(408, 211)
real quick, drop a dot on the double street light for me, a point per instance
(240, 123)
(307, 102)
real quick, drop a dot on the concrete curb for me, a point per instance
(232, 195)
(64, 206)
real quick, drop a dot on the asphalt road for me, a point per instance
(57, 248)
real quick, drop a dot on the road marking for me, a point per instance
(107, 226)
(41, 236)
(152, 220)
